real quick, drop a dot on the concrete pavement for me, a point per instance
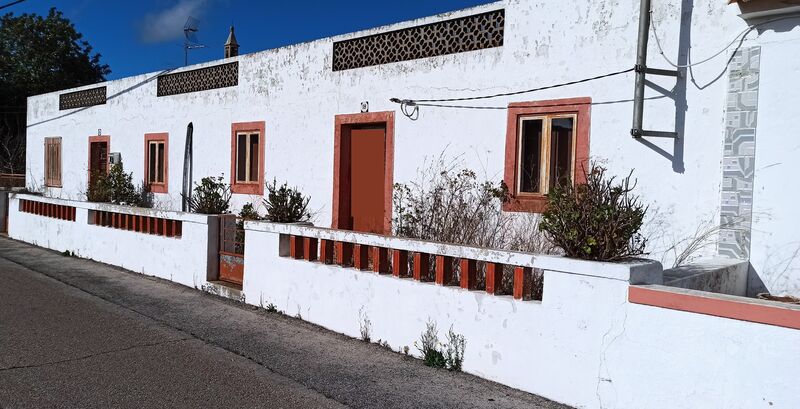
(76, 333)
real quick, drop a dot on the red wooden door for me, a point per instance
(367, 178)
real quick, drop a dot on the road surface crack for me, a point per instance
(96, 354)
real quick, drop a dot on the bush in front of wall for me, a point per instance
(285, 204)
(211, 196)
(597, 220)
(117, 187)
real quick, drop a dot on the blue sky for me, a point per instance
(137, 36)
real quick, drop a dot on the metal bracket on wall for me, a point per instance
(641, 71)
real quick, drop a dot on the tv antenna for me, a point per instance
(190, 41)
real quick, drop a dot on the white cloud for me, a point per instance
(167, 24)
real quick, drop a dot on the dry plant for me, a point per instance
(449, 204)
(691, 247)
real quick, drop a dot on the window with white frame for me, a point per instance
(545, 152)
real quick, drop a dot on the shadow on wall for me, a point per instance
(677, 93)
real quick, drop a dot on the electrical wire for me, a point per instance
(739, 38)
(410, 107)
(11, 4)
(506, 94)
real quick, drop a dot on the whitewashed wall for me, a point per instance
(295, 92)
(183, 260)
(583, 344)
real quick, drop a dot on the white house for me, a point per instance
(318, 115)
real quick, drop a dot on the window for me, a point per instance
(156, 159)
(247, 158)
(546, 144)
(52, 162)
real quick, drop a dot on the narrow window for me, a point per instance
(530, 155)
(52, 162)
(156, 162)
(247, 157)
(562, 158)
(247, 154)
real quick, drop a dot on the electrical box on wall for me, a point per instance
(114, 158)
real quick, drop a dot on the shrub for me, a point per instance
(249, 212)
(211, 196)
(598, 220)
(117, 187)
(285, 204)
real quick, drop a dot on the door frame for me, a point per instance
(93, 139)
(341, 202)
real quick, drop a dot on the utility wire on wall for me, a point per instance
(410, 107)
(739, 38)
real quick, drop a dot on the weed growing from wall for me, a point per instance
(449, 355)
(364, 325)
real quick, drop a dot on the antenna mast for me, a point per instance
(190, 38)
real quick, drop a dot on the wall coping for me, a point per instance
(108, 207)
(636, 271)
(719, 305)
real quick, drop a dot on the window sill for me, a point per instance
(247, 188)
(526, 204)
(158, 188)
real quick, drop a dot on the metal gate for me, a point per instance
(231, 249)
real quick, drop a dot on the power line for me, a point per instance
(506, 94)
(410, 107)
(11, 4)
(739, 38)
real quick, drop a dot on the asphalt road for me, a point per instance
(80, 334)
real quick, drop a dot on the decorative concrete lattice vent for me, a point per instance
(201, 79)
(83, 98)
(459, 35)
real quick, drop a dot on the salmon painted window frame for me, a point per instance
(576, 109)
(52, 161)
(247, 185)
(156, 154)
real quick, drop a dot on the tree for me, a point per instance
(37, 55)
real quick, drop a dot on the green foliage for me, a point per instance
(285, 204)
(117, 187)
(598, 220)
(271, 308)
(249, 212)
(211, 196)
(37, 55)
(437, 355)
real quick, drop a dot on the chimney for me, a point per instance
(231, 46)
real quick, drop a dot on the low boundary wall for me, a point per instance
(588, 343)
(177, 246)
